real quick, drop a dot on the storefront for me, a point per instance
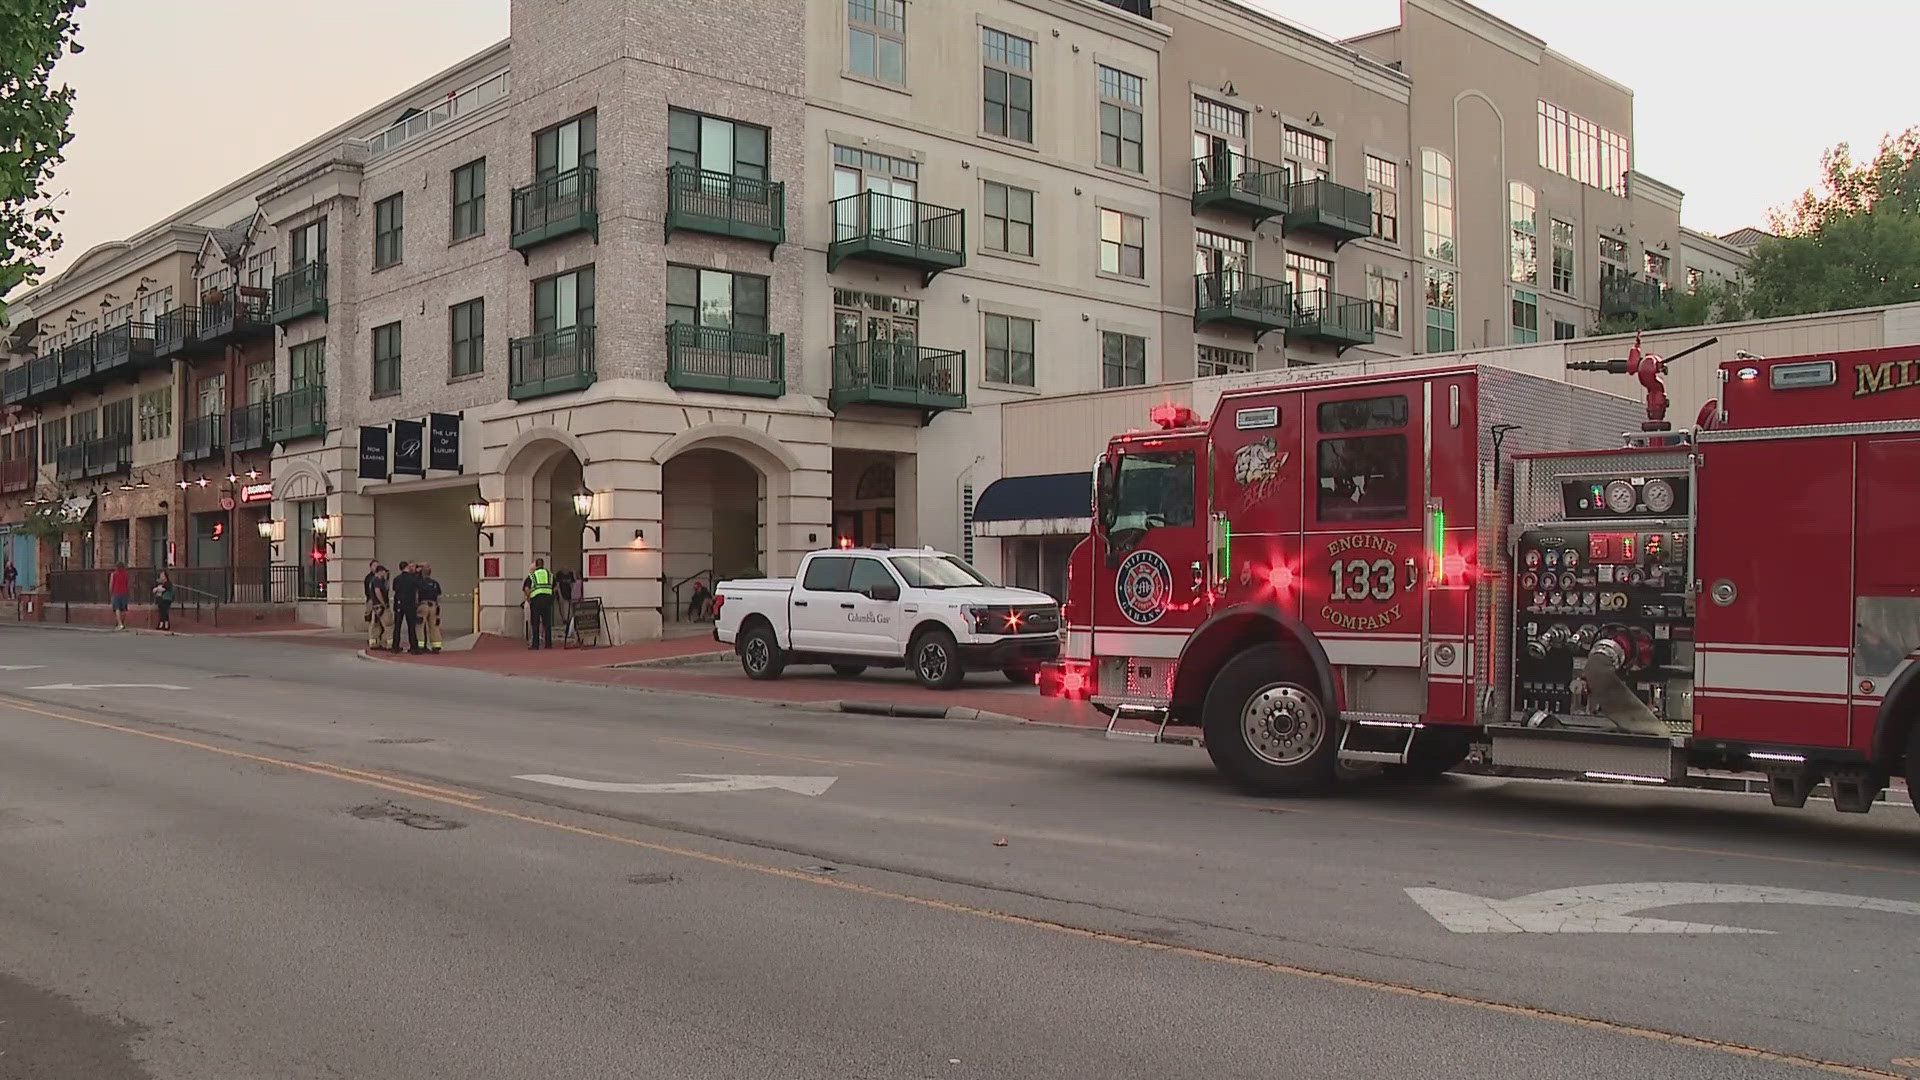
(1038, 521)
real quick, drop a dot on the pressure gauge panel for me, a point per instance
(1588, 498)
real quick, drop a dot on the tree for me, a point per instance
(1891, 182)
(34, 35)
(1708, 302)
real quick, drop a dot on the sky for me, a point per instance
(1734, 102)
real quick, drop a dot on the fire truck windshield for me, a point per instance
(937, 572)
(1154, 489)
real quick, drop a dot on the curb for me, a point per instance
(675, 661)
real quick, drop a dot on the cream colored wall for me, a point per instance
(429, 527)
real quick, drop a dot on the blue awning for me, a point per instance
(1052, 505)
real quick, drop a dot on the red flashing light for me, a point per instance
(1073, 684)
(846, 543)
(1281, 578)
(1169, 416)
(1456, 566)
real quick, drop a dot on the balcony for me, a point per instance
(18, 474)
(902, 232)
(247, 430)
(725, 205)
(1626, 294)
(203, 438)
(1240, 185)
(14, 385)
(43, 378)
(550, 363)
(1332, 210)
(556, 206)
(107, 455)
(899, 374)
(124, 351)
(726, 361)
(76, 362)
(300, 293)
(1237, 298)
(175, 332)
(1331, 318)
(298, 414)
(231, 317)
(70, 463)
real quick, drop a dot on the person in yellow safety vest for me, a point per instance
(538, 589)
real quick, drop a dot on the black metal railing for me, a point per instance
(898, 230)
(43, 375)
(550, 363)
(203, 438)
(126, 346)
(1626, 294)
(1236, 182)
(717, 202)
(247, 430)
(174, 330)
(1325, 315)
(17, 383)
(1237, 296)
(297, 414)
(300, 292)
(18, 474)
(556, 205)
(726, 361)
(234, 312)
(70, 462)
(1323, 206)
(898, 373)
(194, 587)
(108, 455)
(76, 360)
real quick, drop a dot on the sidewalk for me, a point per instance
(699, 665)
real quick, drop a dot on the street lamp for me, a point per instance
(322, 529)
(273, 533)
(583, 505)
(477, 513)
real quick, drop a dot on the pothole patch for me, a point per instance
(412, 819)
(651, 879)
(399, 742)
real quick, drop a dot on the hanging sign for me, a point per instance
(409, 440)
(443, 442)
(373, 453)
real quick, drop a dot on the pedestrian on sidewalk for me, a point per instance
(163, 602)
(12, 580)
(563, 580)
(538, 589)
(429, 593)
(406, 608)
(379, 601)
(120, 592)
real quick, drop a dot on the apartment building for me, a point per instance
(663, 301)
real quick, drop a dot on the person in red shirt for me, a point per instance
(120, 589)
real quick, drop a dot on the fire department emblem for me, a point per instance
(1145, 586)
(1256, 468)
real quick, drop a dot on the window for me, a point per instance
(1563, 331)
(1436, 170)
(83, 427)
(1383, 183)
(868, 574)
(1219, 142)
(1123, 244)
(1362, 478)
(1695, 276)
(891, 185)
(116, 419)
(155, 303)
(307, 365)
(1441, 309)
(469, 200)
(1009, 350)
(1214, 360)
(1361, 414)
(937, 572)
(877, 40)
(1308, 280)
(863, 316)
(53, 439)
(1613, 258)
(1009, 217)
(1582, 150)
(1123, 359)
(1122, 128)
(1309, 155)
(1658, 266)
(828, 573)
(309, 244)
(1526, 317)
(1522, 210)
(467, 327)
(1008, 94)
(1383, 292)
(388, 226)
(1563, 255)
(386, 359)
(259, 381)
(716, 298)
(156, 414)
(120, 541)
(212, 399)
(1153, 489)
(1216, 253)
(711, 144)
(566, 147)
(565, 301)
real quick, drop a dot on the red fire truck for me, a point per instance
(1395, 568)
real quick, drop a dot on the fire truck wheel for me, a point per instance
(935, 660)
(849, 671)
(760, 654)
(1266, 729)
(1432, 755)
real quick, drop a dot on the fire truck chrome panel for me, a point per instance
(1811, 431)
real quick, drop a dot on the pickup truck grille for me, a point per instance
(1039, 620)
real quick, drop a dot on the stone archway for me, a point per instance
(724, 497)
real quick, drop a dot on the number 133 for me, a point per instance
(1358, 580)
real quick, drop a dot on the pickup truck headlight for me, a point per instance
(994, 620)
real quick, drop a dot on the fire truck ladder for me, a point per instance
(1150, 714)
(1377, 738)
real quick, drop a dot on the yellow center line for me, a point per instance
(424, 789)
(1356, 982)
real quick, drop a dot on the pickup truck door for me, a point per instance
(817, 620)
(872, 609)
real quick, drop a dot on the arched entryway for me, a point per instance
(713, 510)
(534, 517)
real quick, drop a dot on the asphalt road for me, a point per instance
(304, 864)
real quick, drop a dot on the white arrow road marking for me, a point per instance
(108, 686)
(21, 667)
(800, 785)
(1607, 909)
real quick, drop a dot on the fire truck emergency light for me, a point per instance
(1170, 416)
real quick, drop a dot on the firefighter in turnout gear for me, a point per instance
(538, 589)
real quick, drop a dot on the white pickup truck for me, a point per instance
(857, 608)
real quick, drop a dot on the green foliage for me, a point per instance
(1848, 190)
(34, 34)
(1854, 242)
(1709, 302)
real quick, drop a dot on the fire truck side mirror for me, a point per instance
(1103, 496)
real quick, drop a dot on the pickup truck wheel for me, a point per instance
(935, 660)
(848, 671)
(761, 656)
(1266, 728)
